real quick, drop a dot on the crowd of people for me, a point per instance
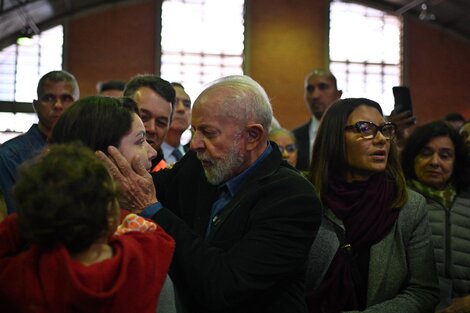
(106, 209)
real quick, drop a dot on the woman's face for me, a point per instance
(434, 164)
(365, 157)
(133, 144)
(287, 146)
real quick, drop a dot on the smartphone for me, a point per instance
(402, 99)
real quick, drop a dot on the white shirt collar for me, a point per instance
(167, 150)
(312, 133)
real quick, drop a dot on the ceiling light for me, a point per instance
(426, 15)
(26, 36)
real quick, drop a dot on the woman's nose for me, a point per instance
(434, 161)
(151, 152)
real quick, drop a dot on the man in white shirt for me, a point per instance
(320, 91)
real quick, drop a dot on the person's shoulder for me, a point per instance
(291, 178)
(148, 252)
(290, 171)
(31, 140)
(414, 208)
(414, 197)
(13, 148)
(151, 241)
(302, 127)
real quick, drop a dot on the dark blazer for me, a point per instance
(254, 259)
(302, 140)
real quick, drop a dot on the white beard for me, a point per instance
(222, 170)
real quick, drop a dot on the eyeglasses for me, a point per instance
(368, 130)
(51, 99)
(291, 148)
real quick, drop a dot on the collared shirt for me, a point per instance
(312, 134)
(168, 150)
(12, 154)
(228, 189)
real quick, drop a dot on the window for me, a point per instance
(202, 40)
(21, 68)
(365, 52)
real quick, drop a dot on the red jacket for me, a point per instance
(51, 281)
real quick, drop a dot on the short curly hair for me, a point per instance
(64, 197)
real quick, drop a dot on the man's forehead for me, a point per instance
(206, 112)
(150, 100)
(316, 79)
(155, 111)
(54, 86)
(180, 92)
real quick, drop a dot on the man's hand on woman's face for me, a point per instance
(136, 188)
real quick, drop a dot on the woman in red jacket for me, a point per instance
(67, 217)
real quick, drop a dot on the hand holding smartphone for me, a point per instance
(402, 99)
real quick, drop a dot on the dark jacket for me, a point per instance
(302, 140)
(254, 259)
(12, 154)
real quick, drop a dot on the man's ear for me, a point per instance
(340, 93)
(254, 135)
(35, 105)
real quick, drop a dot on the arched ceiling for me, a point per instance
(40, 15)
(451, 15)
(15, 15)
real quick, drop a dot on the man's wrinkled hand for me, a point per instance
(136, 188)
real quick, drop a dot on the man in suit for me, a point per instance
(243, 220)
(172, 148)
(320, 91)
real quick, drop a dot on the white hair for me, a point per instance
(245, 99)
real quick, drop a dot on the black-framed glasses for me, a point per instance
(291, 148)
(368, 130)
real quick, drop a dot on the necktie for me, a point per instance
(177, 154)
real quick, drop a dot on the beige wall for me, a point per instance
(284, 40)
